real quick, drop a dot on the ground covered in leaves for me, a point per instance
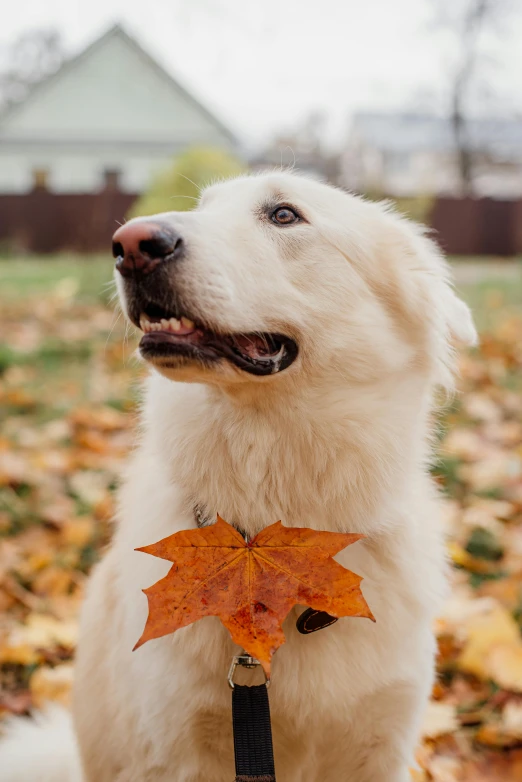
(67, 402)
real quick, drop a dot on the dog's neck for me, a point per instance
(301, 458)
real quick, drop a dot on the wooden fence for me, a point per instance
(44, 222)
(482, 226)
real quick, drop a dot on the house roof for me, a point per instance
(409, 132)
(116, 31)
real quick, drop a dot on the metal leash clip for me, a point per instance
(246, 661)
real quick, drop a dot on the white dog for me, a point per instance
(308, 331)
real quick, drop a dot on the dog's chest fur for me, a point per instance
(258, 465)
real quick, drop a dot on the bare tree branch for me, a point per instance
(30, 58)
(469, 20)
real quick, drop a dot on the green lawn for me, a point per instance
(59, 330)
(493, 294)
(92, 275)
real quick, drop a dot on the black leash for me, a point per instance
(253, 747)
(252, 734)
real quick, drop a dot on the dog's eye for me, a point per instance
(283, 215)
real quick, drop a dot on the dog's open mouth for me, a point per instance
(168, 336)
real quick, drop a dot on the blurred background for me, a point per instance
(116, 108)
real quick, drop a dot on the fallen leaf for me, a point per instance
(19, 654)
(41, 631)
(505, 666)
(497, 767)
(52, 684)
(53, 581)
(445, 769)
(439, 719)
(495, 737)
(78, 532)
(512, 718)
(484, 632)
(250, 586)
(16, 702)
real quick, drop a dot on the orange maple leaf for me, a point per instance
(250, 586)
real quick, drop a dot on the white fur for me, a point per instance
(340, 440)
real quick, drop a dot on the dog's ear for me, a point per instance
(414, 266)
(459, 319)
(424, 254)
(427, 286)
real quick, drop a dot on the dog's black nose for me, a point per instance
(141, 247)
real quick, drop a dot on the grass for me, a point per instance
(59, 329)
(492, 299)
(90, 275)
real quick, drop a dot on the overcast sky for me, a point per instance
(263, 65)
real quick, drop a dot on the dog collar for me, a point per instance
(204, 519)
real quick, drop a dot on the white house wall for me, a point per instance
(79, 172)
(111, 109)
(15, 172)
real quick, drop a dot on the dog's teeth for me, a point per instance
(170, 324)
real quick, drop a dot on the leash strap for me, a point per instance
(252, 734)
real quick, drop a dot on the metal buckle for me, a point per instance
(246, 661)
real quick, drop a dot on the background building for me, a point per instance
(409, 154)
(109, 116)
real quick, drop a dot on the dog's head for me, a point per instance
(279, 276)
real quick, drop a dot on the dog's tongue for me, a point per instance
(254, 346)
